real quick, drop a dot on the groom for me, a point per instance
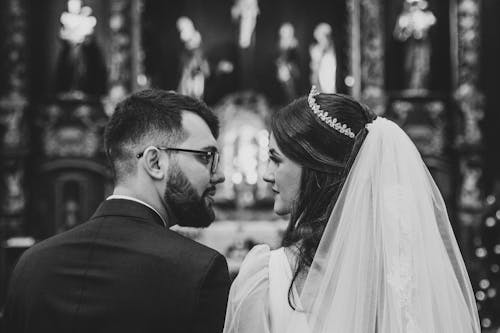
(124, 270)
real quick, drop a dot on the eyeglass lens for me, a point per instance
(215, 162)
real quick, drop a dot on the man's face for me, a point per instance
(190, 186)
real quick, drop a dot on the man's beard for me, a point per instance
(184, 202)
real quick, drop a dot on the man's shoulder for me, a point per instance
(192, 260)
(193, 247)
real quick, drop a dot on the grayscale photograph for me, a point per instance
(249, 166)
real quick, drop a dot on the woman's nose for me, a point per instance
(268, 176)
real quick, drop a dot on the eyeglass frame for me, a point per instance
(214, 155)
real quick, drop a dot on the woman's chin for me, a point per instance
(280, 209)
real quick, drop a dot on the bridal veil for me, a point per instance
(388, 260)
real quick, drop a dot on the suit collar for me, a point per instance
(127, 207)
(126, 197)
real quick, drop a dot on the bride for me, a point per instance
(369, 246)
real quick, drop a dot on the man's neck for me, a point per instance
(158, 206)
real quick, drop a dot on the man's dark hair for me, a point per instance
(149, 117)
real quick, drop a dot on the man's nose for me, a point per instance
(218, 176)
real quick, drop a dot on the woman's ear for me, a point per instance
(152, 164)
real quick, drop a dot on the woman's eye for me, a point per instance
(274, 160)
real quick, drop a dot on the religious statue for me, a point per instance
(246, 11)
(77, 22)
(287, 67)
(323, 59)
(412, 28)
(195, 67)
(81, 69)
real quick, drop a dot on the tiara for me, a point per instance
(332, 122)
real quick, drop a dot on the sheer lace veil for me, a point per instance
(388, 260)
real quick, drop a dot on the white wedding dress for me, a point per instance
(264, 278)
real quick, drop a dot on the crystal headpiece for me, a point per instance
(332, 122)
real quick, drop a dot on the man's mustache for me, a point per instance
(209, 191)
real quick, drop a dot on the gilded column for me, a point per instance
(469, 101)
(13, 135)
(367, 52)
(126, 71)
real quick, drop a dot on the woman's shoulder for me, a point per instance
(247, 308)
(256, 260)
(253, 276)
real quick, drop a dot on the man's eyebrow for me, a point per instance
(210, 148)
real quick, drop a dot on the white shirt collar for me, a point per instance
(126, 197)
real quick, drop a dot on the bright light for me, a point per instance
(237, 178)
(252, 178)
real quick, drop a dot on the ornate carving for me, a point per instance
(72, 130)
(12, 129)
(470, 102)
(424, 123)
(12, 184)
(12, 197)
(470, 193)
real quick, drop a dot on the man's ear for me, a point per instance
(152, 164)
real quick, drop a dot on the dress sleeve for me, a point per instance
(248, 304)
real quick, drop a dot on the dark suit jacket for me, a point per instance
(121, 271)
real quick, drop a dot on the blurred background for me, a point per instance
(431, 66)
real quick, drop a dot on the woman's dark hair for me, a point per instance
(326, 156)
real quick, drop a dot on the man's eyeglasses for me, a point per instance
(211, 157)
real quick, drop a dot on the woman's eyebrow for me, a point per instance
(273, 152)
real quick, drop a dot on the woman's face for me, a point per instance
(284, 176)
